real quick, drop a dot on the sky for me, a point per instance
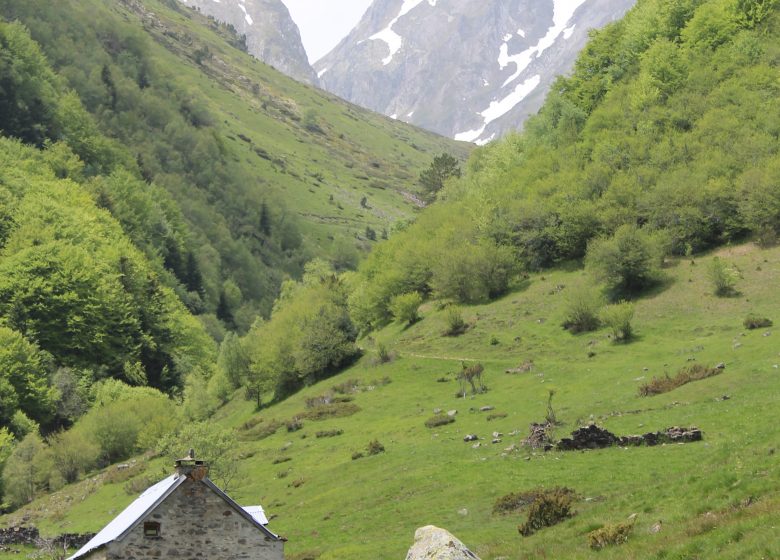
(323, 23)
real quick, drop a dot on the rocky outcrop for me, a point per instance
(271, 34)
(596, 437)
(468, 69)
(433, 543)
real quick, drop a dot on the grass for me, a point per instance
(370, 508)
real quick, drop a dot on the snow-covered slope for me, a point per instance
(470, 69)
(271, 34)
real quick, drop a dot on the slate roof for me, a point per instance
(149, 500)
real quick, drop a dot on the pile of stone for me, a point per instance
(595, 437)
(539, 436)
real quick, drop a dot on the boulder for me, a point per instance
(433, 543)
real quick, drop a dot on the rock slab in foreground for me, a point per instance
(433, 543)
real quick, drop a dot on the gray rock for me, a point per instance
(487, 408)
(452, 412)
(433, 543)
(455, 58)
(471, 437)
(271, 34)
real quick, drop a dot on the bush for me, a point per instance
(329, 433)
(722, 277)
(333, 410)
(756, 322)
(375, 448)
(404, 307)
(439, 420)
(514, 502)
(581, 313)
(618, 318)
(548, 508)
(609, 535)
(455, 323)
(294, 425)
(628, 262)
(665, 384)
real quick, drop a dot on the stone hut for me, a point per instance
(187, 517)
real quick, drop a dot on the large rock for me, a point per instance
(433, 543)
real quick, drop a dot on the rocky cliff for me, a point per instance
(271, 34)
(469, 69)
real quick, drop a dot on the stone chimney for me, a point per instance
(190, 467)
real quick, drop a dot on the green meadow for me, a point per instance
(717, 498)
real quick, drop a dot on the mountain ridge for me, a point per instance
(465, 69)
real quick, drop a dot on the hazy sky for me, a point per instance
(323, 23)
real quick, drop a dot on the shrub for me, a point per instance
(347, 387)
(333, 410)
(261, 431)
(329, 433)
(404, 307)
(581, 313)
(439, 420)
(123, 473)
(688, 374)
(722, 277)
(496, 416)
(473, 376)
(756, 322)
(609, 535)
(618, 318)
(514, 502)
(628, 262)
(137, 485)
(548, 508)
(375, 448)
(357, 455)
(280, 460)
(294, 425)
(455, 323)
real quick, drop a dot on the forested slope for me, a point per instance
(265, 173)
(669, 125)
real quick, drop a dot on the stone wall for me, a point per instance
(196, 523)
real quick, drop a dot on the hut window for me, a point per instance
(151, 529)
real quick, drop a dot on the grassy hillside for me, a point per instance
(267, 172)
(715, 498)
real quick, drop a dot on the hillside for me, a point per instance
(468, 69)
(715, 498)
(267, 172)
(615, 266)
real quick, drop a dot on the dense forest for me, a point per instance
(148, 272)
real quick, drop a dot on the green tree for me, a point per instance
(443, 167)
(24, 379)
(404, 307)
(618, 318)
(628, 262)
(26, 470)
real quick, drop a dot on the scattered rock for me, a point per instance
(433, 543)
(487, 408)
(464, 512)
(721, 365)
(476, 445)
(496, 440)
(471, 437)
(497, 434)
(452, 412)
(525, 367)
(437, 410)
(767, 333)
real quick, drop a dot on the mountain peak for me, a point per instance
(468, 69)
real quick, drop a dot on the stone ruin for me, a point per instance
(29, 536)
(596, 437)
(539, 437)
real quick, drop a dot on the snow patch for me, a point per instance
(394, 40)
(394, 116)
(247, 17)
(507, 37)
(485, 83)
(500, 108)
(563, 10)
(409, 115)
(321, 73)
(521, 33)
